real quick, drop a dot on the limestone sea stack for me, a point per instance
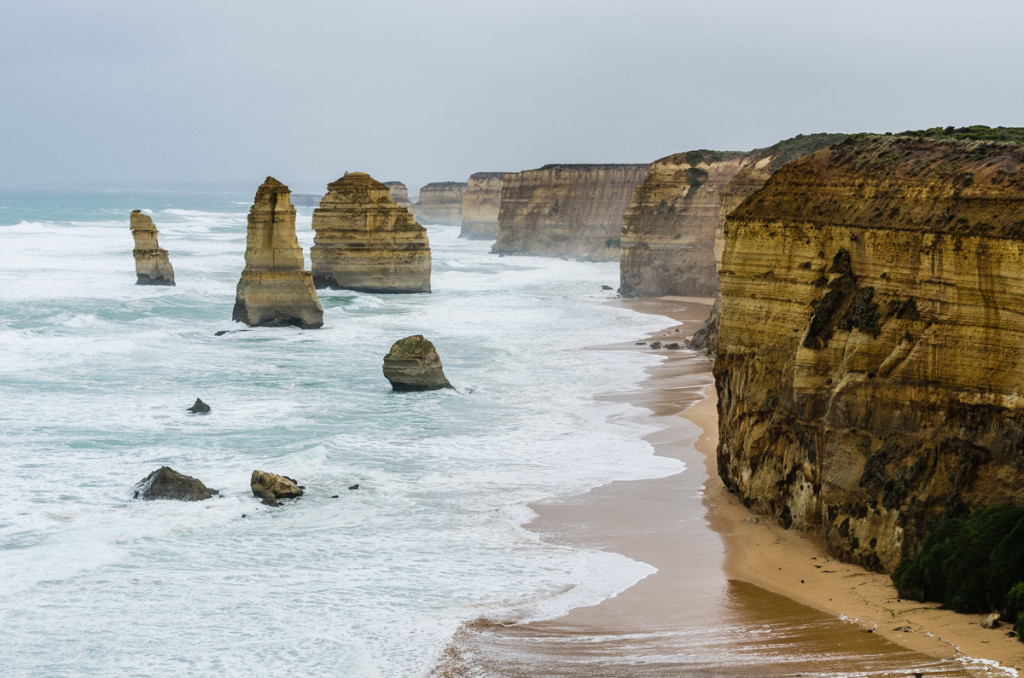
(566, 210)
(441, 203)
(365, 241)
(412, 364)
(481, 204)
(400, 194)
(871, 347)
(275, 290)
(152, 264)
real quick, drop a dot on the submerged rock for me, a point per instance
(152, 263)
(199, 407)
(275, 290)
(270, 487)
(166, 483)
(364, 241)
(412, 364)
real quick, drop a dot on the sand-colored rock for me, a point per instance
(400, 194)
(270, 487)
(669, 231)
(441, 203)
(365, 241)
(481, 204)
(566, 210)
(152, 264)
(166, 483)
(412, 364)
(275, 289)
(871, 346)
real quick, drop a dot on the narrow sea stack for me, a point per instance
(412, 364)
(669, 231)
(871, 346)
(441, 203)
(481, 204)
(152, 264)
(566, 210)
(364, 241)
(275, 290)
(400, 194)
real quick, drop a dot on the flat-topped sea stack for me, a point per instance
(481, 204)
(566, 210)
(871, 348)
(275, 290)
(669, 231)
(400, 194)
(152, 264)
(364, 241)
(441, 203)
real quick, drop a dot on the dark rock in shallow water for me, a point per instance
(606, 287)
(674, 346)
(354, 487)
(199, 407)
(412, 364)
(270, 487)
(166, 483)
(655, 345)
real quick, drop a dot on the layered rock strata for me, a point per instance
(481, 204)
(275, 289)
(871, 346)
(669, 231)
(441, 203)
(400, 194)
(166, 483)
(271, 487)
(365, 241)
(566, 210)
(152, 264)
(412, 364)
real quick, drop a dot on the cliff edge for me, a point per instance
(481, 204)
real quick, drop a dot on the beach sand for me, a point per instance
(733, 595)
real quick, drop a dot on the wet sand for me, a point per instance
(731, 597)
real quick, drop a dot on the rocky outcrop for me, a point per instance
(166, 483)
(365, 241)
(669, 231)
(871, 346)
(152, 264)
(199, 407)
(566, 210)
(275, 289)
(481, 204)
(412, 364)
(271, 487)
(441, 203)
(400, 194)
(705, 339)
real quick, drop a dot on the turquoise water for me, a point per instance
(95, 377)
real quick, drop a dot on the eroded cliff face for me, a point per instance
(566, 210)
(275, 289)
(674, 220)
(481, 203)
(871, 345)
(441, 203)
(152, 263)
(400, 194)
(365, 241)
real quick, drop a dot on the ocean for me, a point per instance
(96, 374)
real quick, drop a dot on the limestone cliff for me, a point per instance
(481, 203)
(275, 289)
(669, 231)
(400, 194)
(365, 241)
(152, 264)
(566, 210)
(871, 346)
(441, 203)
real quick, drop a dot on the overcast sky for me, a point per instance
(119, 91)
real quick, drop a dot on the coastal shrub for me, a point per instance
(1014, 601)
(971, 564)
(1018, 627)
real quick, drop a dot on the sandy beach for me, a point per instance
(733, 595)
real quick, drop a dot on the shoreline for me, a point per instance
(721, 573)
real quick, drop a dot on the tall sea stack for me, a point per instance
(152, 264)
(365, 241)
(871, 347)
(275, 289)
(400, 194)
(481, 204)
(441, 203)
